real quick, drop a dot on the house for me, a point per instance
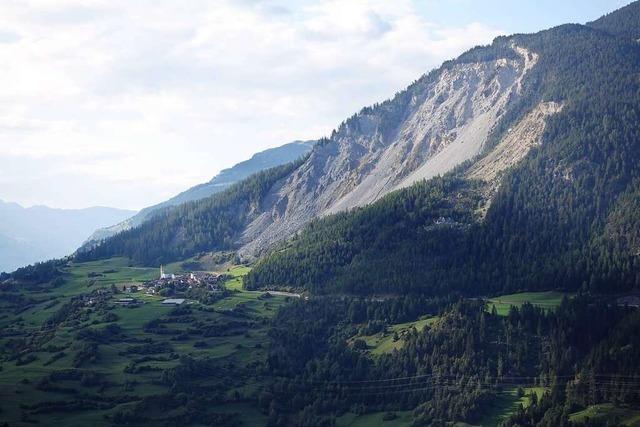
(173, 301)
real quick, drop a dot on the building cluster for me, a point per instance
(182, 283)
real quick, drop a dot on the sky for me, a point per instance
(125, 103)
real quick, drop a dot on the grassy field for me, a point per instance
(237, 272)
(237, 321)
(507, 403)
(608, 412)
(546, 300)
(42, 374)
(211, 261)
(383, 342)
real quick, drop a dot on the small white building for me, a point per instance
(173, 301)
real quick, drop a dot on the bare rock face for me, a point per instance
(437, 123)
(513, 147)
(516, 144)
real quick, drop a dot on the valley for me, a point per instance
(38, 233)
(465, 253)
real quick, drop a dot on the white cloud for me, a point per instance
(143, 99)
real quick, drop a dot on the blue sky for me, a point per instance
(517, 16)
(125, 103)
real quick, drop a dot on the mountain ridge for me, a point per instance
(442, 121)
(259, 161)
(299, 198)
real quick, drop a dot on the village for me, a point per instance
(175, 287)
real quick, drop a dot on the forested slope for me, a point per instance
(545, 225)
(261, 161)
(550, 217)
(457, 368)
(214, 223)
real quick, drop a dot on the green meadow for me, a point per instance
(385, 341)
(607, 412)
(546, 300)
(120, 369)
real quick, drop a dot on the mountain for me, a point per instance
(440, 121)
(467, 253)
(193, 227)
(535, 140)
(38, 233)
(535, 211)
(15, 253)
(622, 22)
(260, 161)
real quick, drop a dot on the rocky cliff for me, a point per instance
(439, 122)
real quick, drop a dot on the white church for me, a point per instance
(164, 275)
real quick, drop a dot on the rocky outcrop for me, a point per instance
(439, 122)
(513, 147)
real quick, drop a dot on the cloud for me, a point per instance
(161, 95)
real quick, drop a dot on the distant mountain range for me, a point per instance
(260, 161)
(38, 233)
